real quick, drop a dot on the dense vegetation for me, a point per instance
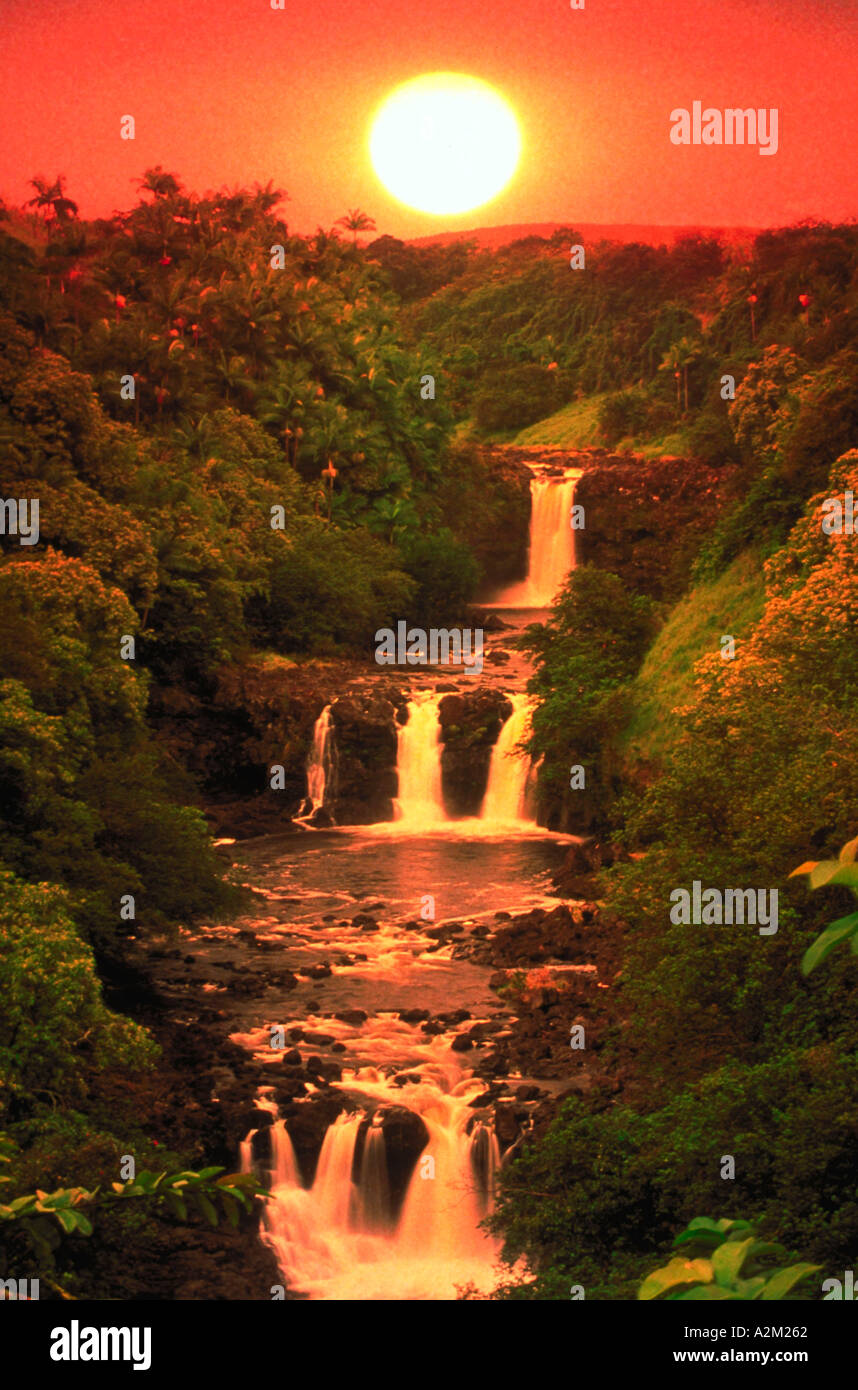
(729, 772)
(233, 454)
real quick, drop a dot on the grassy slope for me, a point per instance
(731, 605)
(576, 426)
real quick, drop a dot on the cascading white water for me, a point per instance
(418, 763)
(319, 761)
(338, 1240)
(506, 798)
(552, 544)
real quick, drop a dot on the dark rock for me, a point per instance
(461, 1043)
(405, 1138)
(470, 724)
(413, 1015)
(352, 1016)
(527, 1093)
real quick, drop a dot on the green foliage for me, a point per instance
(585, 656)
(605, 1186)
(445, 574)
(42, 1219)
(55, 1028)
(736, 1266)
(331, 589)
(832, 873)
(512, 398)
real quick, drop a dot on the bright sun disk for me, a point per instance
(445, 143)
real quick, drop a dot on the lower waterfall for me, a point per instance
(338, 1239)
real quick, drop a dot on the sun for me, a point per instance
(445, 143)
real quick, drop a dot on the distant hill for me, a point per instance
(490, 238)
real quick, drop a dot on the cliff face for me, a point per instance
(645, 519)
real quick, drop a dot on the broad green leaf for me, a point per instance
(834, 933)
(781, 1283)
(207, 1207)
(709, 1240)
(728, 1259)
(22, 1203)
(230, 1209)
(832, 872)
(177, 1205)
(806, 868)
(849, 851)
(674, 1275)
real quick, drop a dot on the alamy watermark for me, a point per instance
(732, 126)
(20, 518)
(414, 646)
(838, 518)
(716, 907)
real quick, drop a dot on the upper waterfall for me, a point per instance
(552, 544)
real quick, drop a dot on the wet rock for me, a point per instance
(527, 1093)
(470, 724)
(292, 1058)
(581, 862)
(352, 1016)
(540, 935)
(364, 922)
(507, 1125)
(319, 1039)
(405, 1138)
(454, 1017)
(461, 1043)
(413, 1015)
(318, 972)
(366, 745)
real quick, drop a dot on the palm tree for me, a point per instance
(51, 201)
(157, 181)
(356, 221)
(678, 359)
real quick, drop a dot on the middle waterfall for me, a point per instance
(420, 800)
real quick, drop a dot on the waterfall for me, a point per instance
(485, 1162)
(319, 761)
(374, 1206)
(506, 798)
(338, 1239)
(418, 763)
(551, 553)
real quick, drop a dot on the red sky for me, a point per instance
(231, 91)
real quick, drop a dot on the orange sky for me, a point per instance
(231, 91)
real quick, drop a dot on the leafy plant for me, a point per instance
(724, 1260)
(832, 873)
(45, 1217)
